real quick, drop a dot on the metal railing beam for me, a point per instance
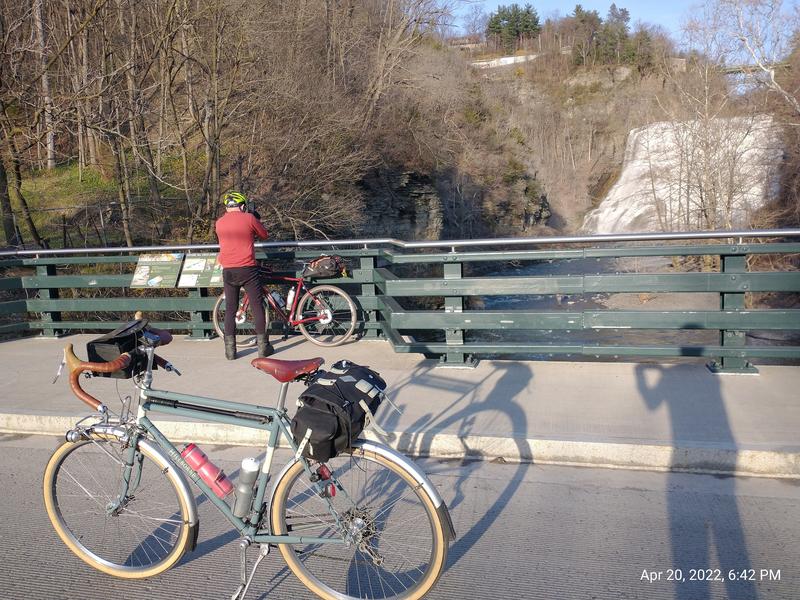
(452, 244)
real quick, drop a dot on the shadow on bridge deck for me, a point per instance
(627, 415)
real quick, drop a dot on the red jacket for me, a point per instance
(237, 232)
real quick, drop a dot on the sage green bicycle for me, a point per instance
(367, 524)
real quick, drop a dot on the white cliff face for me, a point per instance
(679, 176)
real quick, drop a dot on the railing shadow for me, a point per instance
(707, 522)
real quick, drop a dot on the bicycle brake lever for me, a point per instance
(170, 368)
(166, 365)
(60, 367)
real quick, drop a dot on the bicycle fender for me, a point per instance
(409, 465)
(163, 462)
(418, 474)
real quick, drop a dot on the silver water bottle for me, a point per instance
(244, 487)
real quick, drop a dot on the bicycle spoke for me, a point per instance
(375, 500)
(137, 531)
(330, 316)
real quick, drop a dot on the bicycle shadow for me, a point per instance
(707, 522)
(513, 381)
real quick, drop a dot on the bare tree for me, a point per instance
(42, 39)
(474, 22)
(762, 32)
(404, 24)
(714, 157)
(6, 213)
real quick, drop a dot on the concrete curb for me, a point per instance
(724, 460)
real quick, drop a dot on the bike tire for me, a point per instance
(147, 536)
(343, 316)
(339, 572)
(245, 332)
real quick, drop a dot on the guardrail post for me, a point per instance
(49, 294)
(732, 338)
(199, 317)
(455, 337)
(367, 266)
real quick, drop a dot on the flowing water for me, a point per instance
(668, 168)
(598, 302)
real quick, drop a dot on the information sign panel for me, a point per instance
(157, 270)
(201, 270)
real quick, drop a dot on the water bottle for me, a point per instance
(278, 300)
(210, 473)
(244, 487)
(290, 298)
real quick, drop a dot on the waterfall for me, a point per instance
(697, 174)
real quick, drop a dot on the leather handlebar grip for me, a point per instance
(75, 384)
(77, 367)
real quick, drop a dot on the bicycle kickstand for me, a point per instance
(244, 544)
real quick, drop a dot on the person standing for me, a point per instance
(237, 231)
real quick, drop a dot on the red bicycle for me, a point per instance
(325, 314)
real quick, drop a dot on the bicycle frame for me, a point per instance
(272, 420)
(299, 291)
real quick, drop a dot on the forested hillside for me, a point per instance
(123, 121)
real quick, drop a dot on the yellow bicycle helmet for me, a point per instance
(234, 199)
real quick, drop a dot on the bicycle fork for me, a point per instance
(131, 478)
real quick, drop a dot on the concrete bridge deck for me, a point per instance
(626, 415)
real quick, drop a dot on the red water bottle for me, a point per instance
(210, 473)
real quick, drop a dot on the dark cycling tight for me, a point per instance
(234, 279)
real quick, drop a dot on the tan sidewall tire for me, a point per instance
(247, 341)
(350, 304)
(289, 555)
(49, 503)
(218, 327)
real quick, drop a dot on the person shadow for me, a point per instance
(700, 523)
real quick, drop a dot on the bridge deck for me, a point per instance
(611, 413)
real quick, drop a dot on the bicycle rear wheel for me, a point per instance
(399, 544)
(143, 534)
(334, 313)
(245, 324)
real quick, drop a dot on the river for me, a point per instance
(596, 302)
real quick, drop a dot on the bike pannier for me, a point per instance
(335, 408)
(325, 267)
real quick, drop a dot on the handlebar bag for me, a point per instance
(335, 408)
(111, 345)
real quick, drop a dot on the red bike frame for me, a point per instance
(300, 288)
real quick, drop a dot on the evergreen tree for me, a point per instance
(587, 28)
(511, 26)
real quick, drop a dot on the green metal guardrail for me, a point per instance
(53, 289)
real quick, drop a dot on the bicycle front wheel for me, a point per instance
(331, 313)
(139, 535)
(397, 545)
(245, 324)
